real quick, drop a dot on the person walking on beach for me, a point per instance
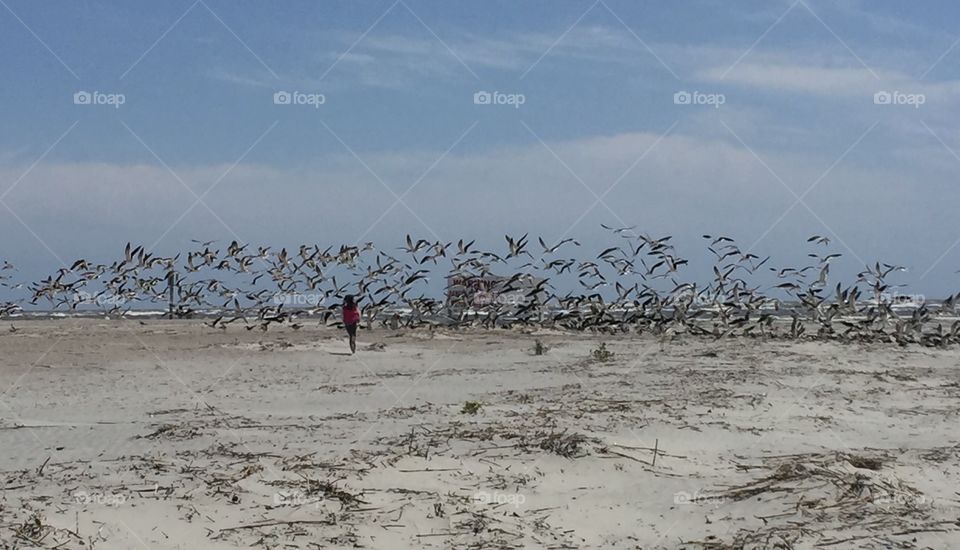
(351, 318)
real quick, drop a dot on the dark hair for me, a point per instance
(348, 300)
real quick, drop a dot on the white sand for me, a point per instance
(164, 435)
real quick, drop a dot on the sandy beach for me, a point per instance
(172, 435)
(409, 274)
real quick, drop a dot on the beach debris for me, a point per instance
(471, 407)
(601, 353)
(539, 348)
(843, 492)
(567, 445)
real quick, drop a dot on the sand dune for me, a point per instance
(168, 435)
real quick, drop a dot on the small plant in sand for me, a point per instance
(601, 353)
(471, 407)
(539, 348)
(563, 444)
(33, 529)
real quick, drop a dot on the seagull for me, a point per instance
(554, 248)
(517, 246)
(618, 230)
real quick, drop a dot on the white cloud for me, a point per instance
(845, 82)
(398, 61)
(827, 81)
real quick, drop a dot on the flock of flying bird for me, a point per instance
(633, 285)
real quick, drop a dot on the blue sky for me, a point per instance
(798, 119)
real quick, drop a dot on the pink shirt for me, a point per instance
(351, 316)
